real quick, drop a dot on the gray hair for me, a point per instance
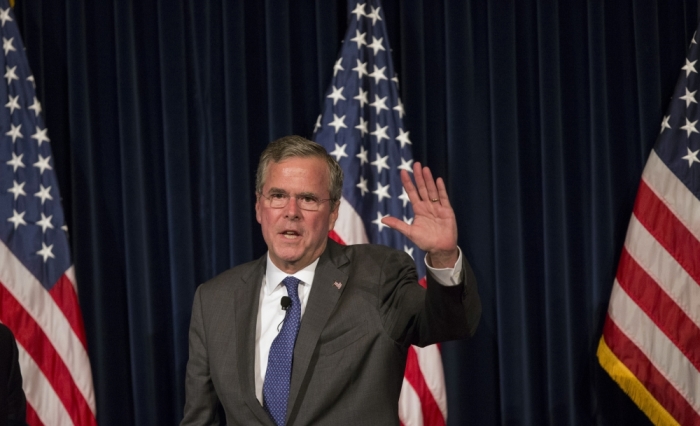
(297, 146)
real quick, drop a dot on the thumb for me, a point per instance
(398, 225)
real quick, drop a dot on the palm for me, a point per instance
(434, 227)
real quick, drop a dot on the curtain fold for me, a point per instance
(539, 114)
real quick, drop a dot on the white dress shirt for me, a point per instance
(271, 315)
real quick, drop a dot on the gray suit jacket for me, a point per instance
(351, 349)
(13, 403)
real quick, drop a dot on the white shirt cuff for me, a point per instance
(447, 276)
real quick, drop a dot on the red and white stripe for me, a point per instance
(423, 400)
(56, 373)
(653, 323)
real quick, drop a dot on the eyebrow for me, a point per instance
(301, 194)
(307, 194)
(276, 191)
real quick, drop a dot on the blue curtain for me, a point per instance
(539, 114)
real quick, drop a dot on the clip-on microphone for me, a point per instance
(286, 302)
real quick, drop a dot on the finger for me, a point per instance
(398, 225)
(420, 181)
(433, 194)
(407, 182)
(410, 188)
(442, 193)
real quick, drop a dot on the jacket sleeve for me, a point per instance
(16, 401)
(201, 401)
(416, 316)
(457, 308)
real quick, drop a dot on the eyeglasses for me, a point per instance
(307, 202)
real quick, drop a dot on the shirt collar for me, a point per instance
(274, 276)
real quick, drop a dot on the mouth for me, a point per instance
(290, 235)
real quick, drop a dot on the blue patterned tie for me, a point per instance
(279, 363)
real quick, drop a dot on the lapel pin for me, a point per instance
(338, 284)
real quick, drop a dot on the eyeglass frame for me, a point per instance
(297, 197)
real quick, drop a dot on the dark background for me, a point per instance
(539, 114)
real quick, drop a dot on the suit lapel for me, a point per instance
(322, 300)
(247, 299)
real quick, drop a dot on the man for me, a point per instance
(315, 332)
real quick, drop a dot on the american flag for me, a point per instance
(38, 299)
(362, 127)
(651, 338)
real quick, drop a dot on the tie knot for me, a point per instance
(292, 284)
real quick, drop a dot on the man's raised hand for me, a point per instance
(434, 227)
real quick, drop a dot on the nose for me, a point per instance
(292, 210)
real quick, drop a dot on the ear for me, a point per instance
(258, 208)
(334, 216)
